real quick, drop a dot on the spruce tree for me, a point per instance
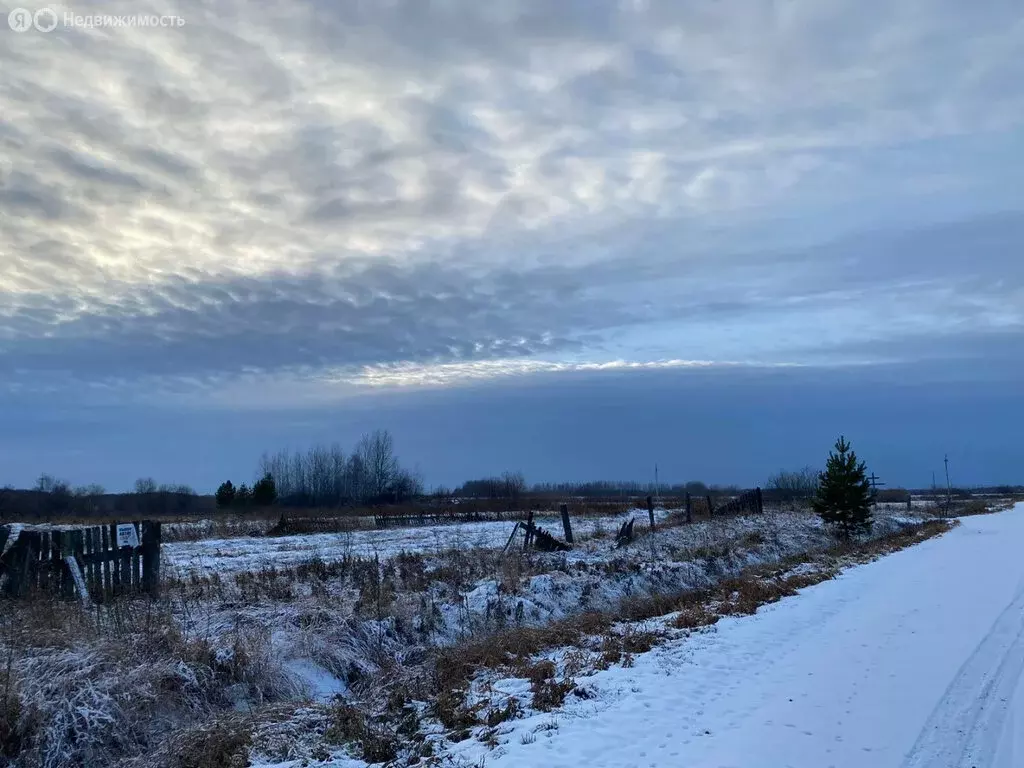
(225, 495)
(264, 493)
(243, 496)
(844, 493)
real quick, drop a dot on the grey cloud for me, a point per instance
(90, 170)
(384, 311)
(521, 179)
(24, 195)
(162, 162)
(381, 314)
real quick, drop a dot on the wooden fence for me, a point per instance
(447, 516)
(101, 562)
(749, 503)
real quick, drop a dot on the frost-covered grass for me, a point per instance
(338, 654)
(248, 553)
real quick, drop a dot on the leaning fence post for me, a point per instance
(511, 536)
(650, 510)
(566, 526)
(529, 531)
(711, 509)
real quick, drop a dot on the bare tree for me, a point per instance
(339, 478)
(326, 475)
(377, 451)
(791, 485)
(514, 485)
(355, 477)
(405, 485)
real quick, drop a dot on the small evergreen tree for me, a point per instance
(844, 493)
(264, 493)
(225, 495)
(243, 496)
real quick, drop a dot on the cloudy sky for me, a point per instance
(571, 237)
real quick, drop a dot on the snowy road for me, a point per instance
(912, 661)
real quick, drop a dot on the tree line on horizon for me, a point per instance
(327, 476)
(371, 473)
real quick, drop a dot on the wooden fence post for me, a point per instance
(512, 536)
(711, 509)
(566, 526)
(126, 569)
(31, 568)
(689, 508)
(760, 501)
(30, 562)
(650, 510)
(106, 566)
(45, 570)
(58, 576)
(96, 563)
(151, 557)
(136, 561)
(529, 531)
(90, 548)
(115, 562)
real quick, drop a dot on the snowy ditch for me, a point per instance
(297, 625)
(339, 644)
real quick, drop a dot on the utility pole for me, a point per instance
(949, 489)
(874, 487)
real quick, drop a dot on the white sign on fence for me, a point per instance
(127, 536)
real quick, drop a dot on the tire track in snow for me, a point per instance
(965, 728)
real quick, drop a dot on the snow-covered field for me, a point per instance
(853, 672)
(252, 553)
(912, 661)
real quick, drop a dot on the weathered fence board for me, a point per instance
(566, 525)
(750, 502)
(37, 560)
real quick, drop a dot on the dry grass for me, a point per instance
(513, 651)
(548, 692)
(15, 728)
(349, 724)
(222, 744)
(151, 676)
(980, 507)
(109, 685)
